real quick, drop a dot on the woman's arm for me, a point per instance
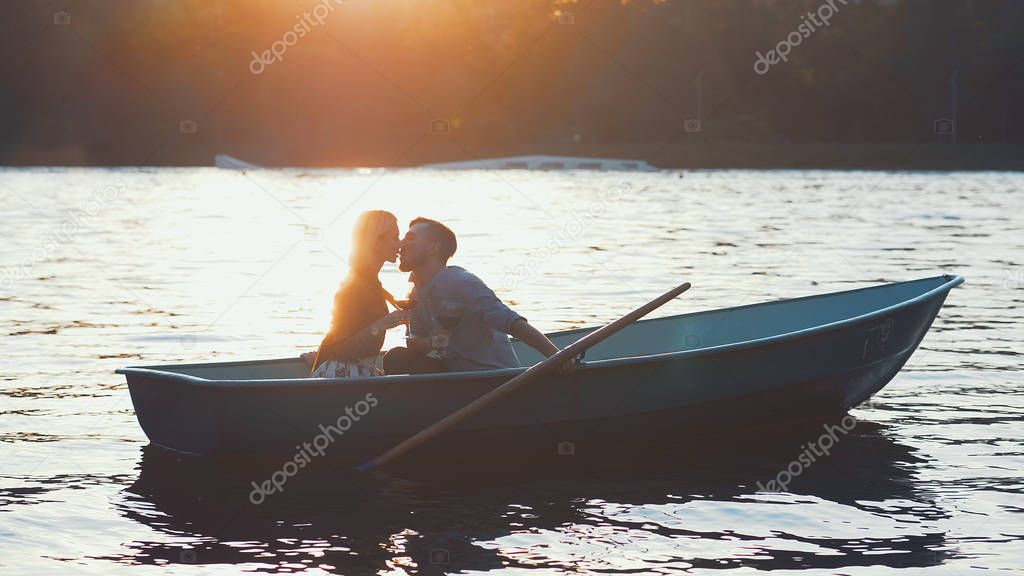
(367, 342)
(360, 317)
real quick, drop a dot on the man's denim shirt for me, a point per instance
(480, 339)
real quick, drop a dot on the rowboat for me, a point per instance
(661, 381)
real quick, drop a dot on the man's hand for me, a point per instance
(571, 366)
(308, 358)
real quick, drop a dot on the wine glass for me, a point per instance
(449, 314)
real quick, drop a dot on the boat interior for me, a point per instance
(657, 335)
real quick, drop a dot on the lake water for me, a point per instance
(107, 268)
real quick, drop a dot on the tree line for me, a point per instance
(402, 82)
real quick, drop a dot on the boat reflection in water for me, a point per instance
(861, 505)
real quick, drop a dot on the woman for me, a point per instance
(360, 316)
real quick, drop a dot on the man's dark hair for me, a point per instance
(441, 234)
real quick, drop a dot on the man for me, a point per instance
(450, 300)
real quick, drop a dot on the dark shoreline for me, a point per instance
(697, 153)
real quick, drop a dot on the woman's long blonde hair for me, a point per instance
(366, 233)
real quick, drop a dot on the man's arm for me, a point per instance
(481, 300)
(532, 337)
(538, 341)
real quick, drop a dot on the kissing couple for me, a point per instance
(456, 322)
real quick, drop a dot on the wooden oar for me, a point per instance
(551, 363)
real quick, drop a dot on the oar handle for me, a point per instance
(547, 365)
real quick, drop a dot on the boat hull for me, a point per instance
(674, 399)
